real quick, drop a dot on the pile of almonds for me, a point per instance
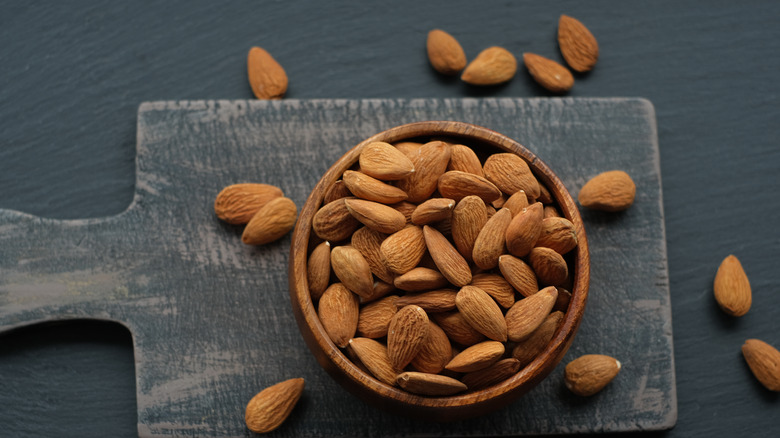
(439, 272)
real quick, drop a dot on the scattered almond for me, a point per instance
(609, 191)
(267, 410)
(590, 373)
(548, 73)
(445, 53)
(266, 76)
(272, 221)
(732, 287)
(764, 361)
(493, 66)
(237, 204)
(578, 46)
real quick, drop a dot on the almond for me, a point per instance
(558, 234)
(493, 66)
(435, 353)
(518, 274)
(449, 261)
(764, 361)
(275, 219)
(266, 76)
(499, 203)
(381, 290)
(527, 350)
(551, 211)
(406, 209)
(524, 230)
(481, 312)
(527, 315)
(318, 270)
(383, 161)
(337, 190)
(429, 384)
(517, 202)
(237, 204)
(369, 242)
(468, 218)
(445, 53)
(376, 216)
(338, 312)
(496, 373)
(432, 210)
(495, 286)
(732, 287)
(374, 356)
(608, 191)
(352, 269)
(578, 46)
(590, 373)
(491, 243)
(549, 266)
(457, 328)
(372, 189)
(476, 357)
(429, 164)
(511, 173)
(267, 410)
(457, 185)
(548, 73)
(334, 222)
(374, 317)
(464, 158)
(406, 335)
(408, 148)
(402, 251)
(419, 279)
(440, 300)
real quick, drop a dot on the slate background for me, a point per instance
(72, 75)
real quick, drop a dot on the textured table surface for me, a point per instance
(74, 74)
(210, 317)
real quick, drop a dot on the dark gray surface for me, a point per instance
(73, 75)
(210, 317)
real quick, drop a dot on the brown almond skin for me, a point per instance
(457, 185)
(267, 410)
(517, 202)
(433, 210)
(439, 300)
(590, 373)
(374, 317)
(511, 173)
(430, 163)
(271, 222)
(527, 350)
(266, 76)
(429, 384)
(558, 234)
(548, 73)
(369, 242)
(457, 328)
(318, 270)
(464, 158)
(578, 45)
(338, 311)
(476, 357)
(764, 362)
(337, 190)
(381, 290)
(376, 216)
(493, 66)
(482, 313)
(371, 189)
(732, 287)
(449, 261)
(524, 230)
(334, 222)
(445, 53)
(435, 353)
(237, 203)
(528, 314)
(402, 251)
(406, 334)
(497, 287)
(496, 373)
(468, 218)
(374, 357)
(491, 242)
(549, 266)
(420, 279)
(518, 274)
(406, 208)
(610, 191)
(352, 269)
(384, 162)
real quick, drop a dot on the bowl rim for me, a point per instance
(353, 378)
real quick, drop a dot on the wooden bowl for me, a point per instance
(394, 399)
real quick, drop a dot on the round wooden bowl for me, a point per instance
(469, 404)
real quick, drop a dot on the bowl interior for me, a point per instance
(365, 386)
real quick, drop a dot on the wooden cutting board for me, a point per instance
(210, 317)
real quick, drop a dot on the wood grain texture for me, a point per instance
(210, 317)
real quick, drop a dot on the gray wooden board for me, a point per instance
(210, 317)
